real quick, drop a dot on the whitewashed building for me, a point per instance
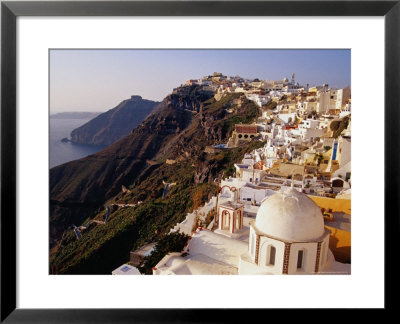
(260, 100)
(125, 269)
(288, 236)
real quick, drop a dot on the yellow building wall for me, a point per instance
(313, 89)
(340, 244)
(340, 240)
(337, 205)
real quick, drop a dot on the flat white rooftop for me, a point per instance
(126, 269)
(207, 253)
(230, 204)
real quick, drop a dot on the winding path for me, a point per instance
(166, 188)
(78, 230)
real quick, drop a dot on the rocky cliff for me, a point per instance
(183, 125)
(112, 125)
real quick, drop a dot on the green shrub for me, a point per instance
(173, 242)
(210, 216)
(338, 126)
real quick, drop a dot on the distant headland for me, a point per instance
(75, 115)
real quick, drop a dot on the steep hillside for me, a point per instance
(112, 125)
(188, 121)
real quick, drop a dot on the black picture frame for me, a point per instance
(10, 10)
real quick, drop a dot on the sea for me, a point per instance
(61, 152)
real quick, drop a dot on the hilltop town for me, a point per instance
(286, 208)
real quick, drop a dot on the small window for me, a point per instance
(272, 252)
(237, 219)
(300, 259)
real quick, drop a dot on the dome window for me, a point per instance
(272, 253)
(300, 255)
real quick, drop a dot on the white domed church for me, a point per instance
(287, 237)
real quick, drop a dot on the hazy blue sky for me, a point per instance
(97, 80)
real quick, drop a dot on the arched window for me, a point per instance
(226, 219)
(300, 256)
(271, 252)
(237, 220)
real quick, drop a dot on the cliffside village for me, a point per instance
(287, 208)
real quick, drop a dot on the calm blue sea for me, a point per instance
(64, 152)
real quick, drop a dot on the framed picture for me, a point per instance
(32, 31)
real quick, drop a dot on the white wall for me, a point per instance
(323, 104)
(341, 172)
(256, 195)
(252, 243)
(285, 117)
(309, 258)
(252, 174)
(344, 151)
(263, 256)
(312, 133)
(323, 259)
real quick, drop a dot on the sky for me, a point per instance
(98, 80)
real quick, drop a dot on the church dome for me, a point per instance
(290, 215)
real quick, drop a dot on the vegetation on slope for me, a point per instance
(338, 126)
(173, 242)
(270, 105)
(78, 188)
